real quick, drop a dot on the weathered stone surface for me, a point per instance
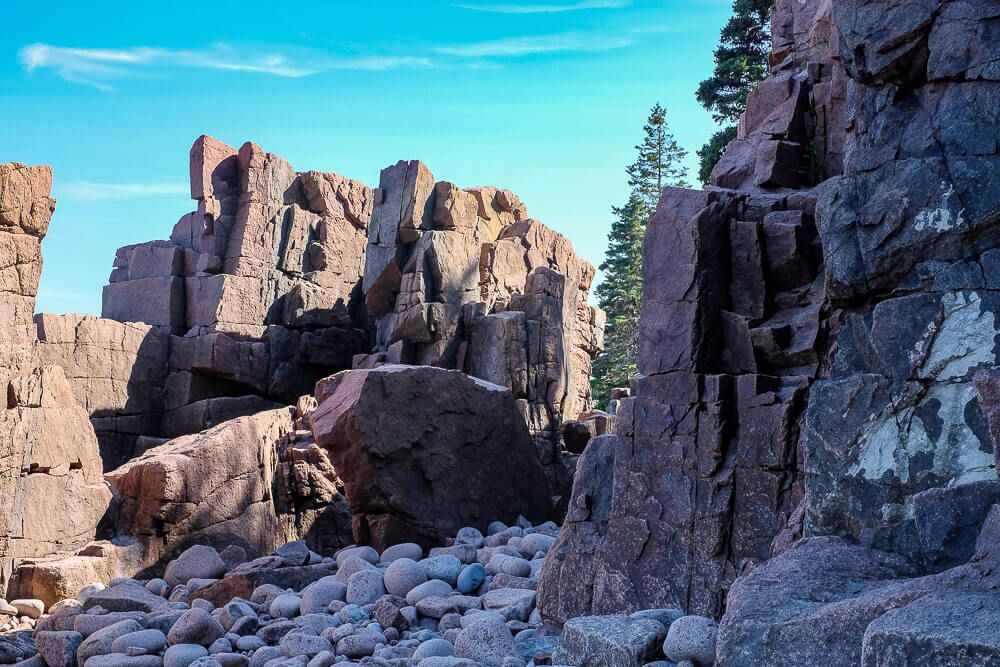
(26, 208)
(448, 270)
(609, 641)
(237, 483)
(260, 285)
(792, 132)
(707, 446)
(449, 451)
(908, 234)
(117, 372)
(826, 600)
(50, 469)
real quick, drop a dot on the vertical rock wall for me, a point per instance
(705, 467)
(910, 235)
(50, 468)
(814, 344)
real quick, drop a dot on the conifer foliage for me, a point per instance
(659, 163)
(740, 63)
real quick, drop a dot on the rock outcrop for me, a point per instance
(818, 362)
(281, 278)
(25, 211)
(50, 465)
(909, 234)
(704, 468)
(234, 484)
(255, 297)
(900, 453)
(426, 451)
(117, 371)
(463, 279)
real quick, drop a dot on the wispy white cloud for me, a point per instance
(547, 8)
(97, 67)
(92, 191)
(538, 44)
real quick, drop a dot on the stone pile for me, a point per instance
(470, 603)
(463, 279)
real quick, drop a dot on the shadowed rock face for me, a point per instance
(909, 235)
(829, 601)
(704, 468)
(427, 451)
(816, 345)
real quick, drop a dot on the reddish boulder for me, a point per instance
(424, 451)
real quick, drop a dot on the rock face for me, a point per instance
(255, 296)
(463, 279)
(280, 278)
(117, 372)
(25, 211)
(792, 134)
(253, 482)
(704, 468)
(909, 235)
(815, 345)
(50, 466)
(829, 601)
(427, 451)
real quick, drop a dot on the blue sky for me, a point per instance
(545, 97)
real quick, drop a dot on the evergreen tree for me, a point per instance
(659, 163)
(740, 63)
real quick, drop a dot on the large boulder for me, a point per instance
(232, 484)
(424, 451)
(827, 601)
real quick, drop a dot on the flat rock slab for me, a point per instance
(609, 641)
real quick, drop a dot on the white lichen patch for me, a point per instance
(896, 439)
(941, 218)
(959, 342)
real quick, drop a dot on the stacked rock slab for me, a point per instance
(462, 279)
(254, 298)
(50, 466)
(704, 468)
